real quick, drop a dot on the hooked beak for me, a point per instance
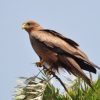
(24, 26)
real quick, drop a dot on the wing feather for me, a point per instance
(52, 41)
(58, 41)
(71, 42)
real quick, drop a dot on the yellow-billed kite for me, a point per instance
(58, 51)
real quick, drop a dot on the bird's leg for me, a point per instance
(40, 63)
(50, 69)
(47, 71)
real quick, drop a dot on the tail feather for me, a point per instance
(95, 65)
(86, 65)
(75, 69)
(86, 62)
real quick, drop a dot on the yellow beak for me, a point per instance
(24, 26)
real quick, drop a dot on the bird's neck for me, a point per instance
(34, 29)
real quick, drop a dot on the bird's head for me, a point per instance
(31, 26)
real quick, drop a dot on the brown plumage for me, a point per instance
(58, 51)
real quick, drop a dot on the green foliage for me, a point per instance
(76, 92)
(43, 90)
(51, 93)
(94, 94)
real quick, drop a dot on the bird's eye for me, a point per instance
(28, 24)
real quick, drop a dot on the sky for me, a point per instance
(75, 19)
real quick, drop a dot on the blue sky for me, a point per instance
(76, 19)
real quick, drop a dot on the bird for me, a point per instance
(58, 51)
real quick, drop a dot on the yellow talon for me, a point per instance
(40, 64)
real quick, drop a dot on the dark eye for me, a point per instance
(28, 24)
